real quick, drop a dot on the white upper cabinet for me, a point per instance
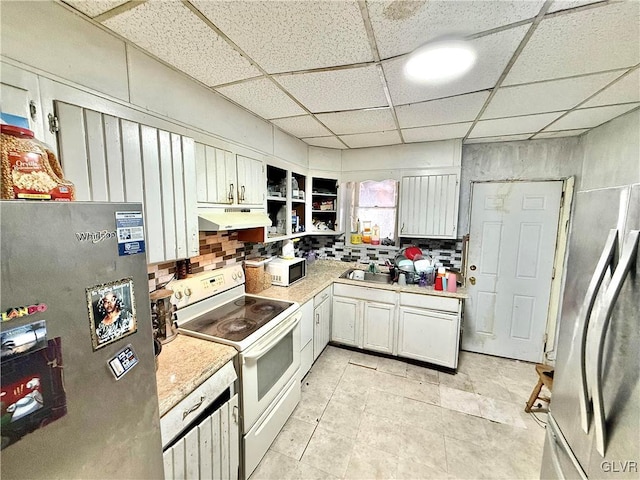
(429, 206)
(110, 159)
(226, 178)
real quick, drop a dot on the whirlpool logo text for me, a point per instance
(95, 237)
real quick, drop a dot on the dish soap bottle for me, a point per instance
(375, 235)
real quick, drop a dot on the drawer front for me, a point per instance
(180, 416)
(322, 296)
(432, 302)
(366, 293)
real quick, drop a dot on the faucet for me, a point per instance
(373, 268)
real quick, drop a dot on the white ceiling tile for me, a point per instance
(566, 4)
(494, 52)
(284, 36)
(378, 139)
(513, 125)
(461, 108)
(560, 133)
(590, 117)
(625, 90)
(436, 132)
(358, 121)
(500, 138)
(303, 126)
(336, 90)
(328, 142)
(173, 33)
(93, 8)
(402, 26)
(594, 40)
(548, 96)
(263, 98)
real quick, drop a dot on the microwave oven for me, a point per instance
(285, 272)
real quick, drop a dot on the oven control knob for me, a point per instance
(187, 291)
(235, 276)
(178, 294)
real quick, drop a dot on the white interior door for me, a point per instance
(512, 242)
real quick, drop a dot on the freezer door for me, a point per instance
(558, 461)
(595, 213)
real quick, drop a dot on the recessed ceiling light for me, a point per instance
(440, 61)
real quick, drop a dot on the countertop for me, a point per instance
(322, 273)
(184, 364)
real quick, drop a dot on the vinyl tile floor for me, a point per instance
(366, 417)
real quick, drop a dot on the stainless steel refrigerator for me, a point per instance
(79, 396)
(593, 428)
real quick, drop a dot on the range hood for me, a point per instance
(215, 219)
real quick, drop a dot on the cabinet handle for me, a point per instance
(193, 408)
(317, 319)
(230, 197)
(235, 414)
(402, 228)
(242, 190)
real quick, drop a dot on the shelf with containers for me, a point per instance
(277, 191)
(324, 206)
(298, 203)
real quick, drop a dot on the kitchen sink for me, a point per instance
(369, 277)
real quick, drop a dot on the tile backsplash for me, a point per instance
(219, 249)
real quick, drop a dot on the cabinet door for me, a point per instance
(216, 175)
(429, 206)
(322, 327)
(429, 336)
(378, 323)
(346, 321)
(251, 181)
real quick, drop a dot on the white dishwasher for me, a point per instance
(201, 434)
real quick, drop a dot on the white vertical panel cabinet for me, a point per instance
(321, 321)
(226, 178)
(114, 160)
(378, 326)
(346, 321)
(429, 206)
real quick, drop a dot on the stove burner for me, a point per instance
(241, 302)
(236, 325)
(264, 308)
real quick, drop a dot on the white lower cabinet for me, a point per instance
(307, 343)
(322, 321)
(346, 322)
(379, 321)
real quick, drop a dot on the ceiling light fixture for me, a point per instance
(440, 61)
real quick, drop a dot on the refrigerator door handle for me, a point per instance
(605, 260)
(628, 256)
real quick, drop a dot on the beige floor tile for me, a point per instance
(492, 389)
(364, 360)
(500, 411)
(368, 463)
(351, 394)
(422, 391)
(389, 383)
(336, 354)
(459, 381)
(383, 404)
(423, 446)
(468, 460)
(422, 415)
(380, 433)
(315, 398)
(341, 418)
(394, 367)
(423, 374)
(328, 451)
(360, 376)
(409, 469)
(464, 427)
(275, 466)
(293, 438)
(459, 400)
(325, 373)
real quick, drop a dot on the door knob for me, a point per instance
(472, 280)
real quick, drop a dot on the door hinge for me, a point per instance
(54, 125)
(553, 273)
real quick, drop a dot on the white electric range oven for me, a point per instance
(266, 332)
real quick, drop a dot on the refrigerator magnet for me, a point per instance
(112, 312)
(123, 361)
(23, 339)
(130, 230)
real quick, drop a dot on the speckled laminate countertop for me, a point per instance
(323, 273)
(184, 364)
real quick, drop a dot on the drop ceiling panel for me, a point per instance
(437, 132)
(358, 121)
(303, 126)
(262, 97)
(401, 26)
(176, 35)
(590, 117)
(625, 90)
(288, 36)
(346, 89)
(561, 133)
(93, 8)
(500, 138)
(513, 125)
(328, 142)
(546, 96)
(566, 4)
(593, 40)
(461, 108)
(494, 52)
(377, 139)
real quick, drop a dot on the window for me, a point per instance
(374, 202)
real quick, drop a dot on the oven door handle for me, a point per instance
(273, 337)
